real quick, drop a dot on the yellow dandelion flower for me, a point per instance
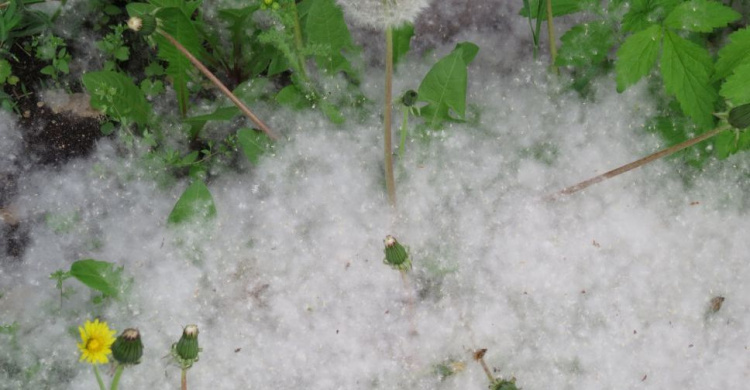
(96, 342)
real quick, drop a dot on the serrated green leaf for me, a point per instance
(730, 142)
(737, 87)
(401, 41)
(176, 24)
(325, 26)
(585, 44)
(645, 13)
(700, 16)
(98, 275)
(253, 143)
(686, 69)
(128, 100)
(444, 86)
(195, 204)
(734, 53)
(637, 56)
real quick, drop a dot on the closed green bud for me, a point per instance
(187, 347)
(128, 348)
(396, 255)
(410, 98)
(739, 117)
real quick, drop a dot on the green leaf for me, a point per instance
(559, 7)
(637, 56)
(686, 69)
(700, 16)
(5, 70)
(196, 203)
(176, 24)
(444, 86)
(98, 275)
(645, 13)
(734, 53)
(127, 99)
(253, 143)
(585, 44)
(401, 41)
(730, 142)
(737, 87)
(326, 26)
(291, 96)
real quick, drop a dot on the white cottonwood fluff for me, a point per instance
(382, 14)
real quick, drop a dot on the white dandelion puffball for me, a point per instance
(383, 13)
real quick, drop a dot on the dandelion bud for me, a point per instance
(128, 348)
(187, 347)
(739, 117)
(144, 24)
(410, 98)
(396, 255)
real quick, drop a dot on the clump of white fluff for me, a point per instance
(382, 14)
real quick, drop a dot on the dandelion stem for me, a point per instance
(245, 110)
(116, 379)
(479, 356)
(99, 378)
(635, 164)
(404, 123)
(184, 379)
(551, 36)
(389, 181)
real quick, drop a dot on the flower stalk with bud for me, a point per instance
(397, 256)
(185, 351)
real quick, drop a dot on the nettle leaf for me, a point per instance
(401, 41)
(444, 86)
(584, 44)
(637, 56)
(127, 100)
(737, 87)
(734, 53)
(196, 203)
(98, 275)
(253, 143)
(644, 13)
(325, 26)
(559, 7)
(176, 24)
(686, 69)
(700, 16)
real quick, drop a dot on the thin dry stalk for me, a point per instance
(245, 110)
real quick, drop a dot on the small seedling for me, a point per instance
(495, 383)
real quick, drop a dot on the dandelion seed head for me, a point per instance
(382, 14)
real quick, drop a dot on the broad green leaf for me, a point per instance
(220, 114)
(737, 87)
(585, 44)
(253, 143)
(5, 70)
(291, 96)
(196, 203)
(468, 51)
(98, 275)
(731, 142)
(637, 56)
(645, 13)
(127, 99)
(401, 41)
(176, 24)
(559, 7)
(139, 9)
(700, 16)
(734, 53)
(325, 26)
(444, 86)
(686, 69)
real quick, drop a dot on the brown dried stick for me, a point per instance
(635, 164)
(262, 126)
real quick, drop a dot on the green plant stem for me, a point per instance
(551, 36)
(298, 41)
(635, 164)
(183, 379)
(245, 110)
(116, 379)
(389, 181)
(99, 378)
(404, 124)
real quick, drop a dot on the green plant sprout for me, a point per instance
(185, 352)
(100, 276)
(53, 49)
(397, 257)
(495, 383)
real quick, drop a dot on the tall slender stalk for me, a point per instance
(245, 110)
(99, 378)
(298, 41)
(551, 36)
(183, 381)
(387, 114)
(116, 380)
(635, 164)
